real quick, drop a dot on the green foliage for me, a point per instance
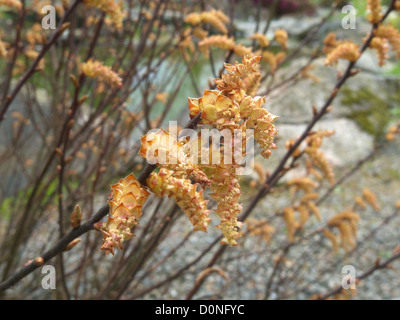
(374, 113)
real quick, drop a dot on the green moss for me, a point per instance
(369, 111)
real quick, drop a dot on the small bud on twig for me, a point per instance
(76, 217)
(72, 244)
(354, 72)
(74, 80)
(59, 152)
(97, 226)
(83, 99)
(38, 261)
(65, 26)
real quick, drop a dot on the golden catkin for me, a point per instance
(114, 11)
(216, 18)
(291, 223)
(370, 198)
(218, 41)
(346, 223)
(347, 50)
(280, 57)
(252, 84)
(3, 49)
(226, 191)
(260, 228)
(374, 7)
(382, 47)
(241, 51)
(330, 43)
(14, 4)
(200, 33)
(262, 40)
(187, 197)
(36, 35)
(314, 209)
(97, 70)
(260, 172)
(392, 132)
(304, 214)
(289, 144)
(126, 201)
(163, 149)
(312, 196)
(270, 58)
(281, 37)
(360, 202)
(318, 158)
(305, 184)
(305, 74)
(391, 34)
(193, 18)
(332, 237)
(230, 106)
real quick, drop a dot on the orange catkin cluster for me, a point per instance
(216, 18)
(375, 11)
(97, 70)
(346, 50)
(14, 4)
(391, 34)
(113, 10)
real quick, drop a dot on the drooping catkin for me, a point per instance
(3, 50)
(391, 34)
(216, 18)
(113, 9)
(260, 228)
(291, 222)
(187, 197)
(13, 4)
(382, 47)
(330, 43)
(217, 41)
(97, 70)
(281, 37)
(262, 40)
(126, 201)
(347, 50)
(346, 222)
(332, 237)
(375, 11)
(370, 198)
